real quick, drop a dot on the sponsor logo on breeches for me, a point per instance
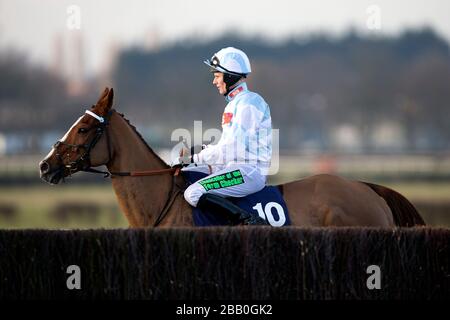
(225, 180)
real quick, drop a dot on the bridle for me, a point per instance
(83, 162)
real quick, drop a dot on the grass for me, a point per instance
(36, 204)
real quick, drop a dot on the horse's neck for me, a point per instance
(140, 198)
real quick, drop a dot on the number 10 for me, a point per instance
(267, 213)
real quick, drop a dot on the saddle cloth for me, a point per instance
(268, 203)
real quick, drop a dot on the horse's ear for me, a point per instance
(110, 98)
(105, 102)
(103, 95)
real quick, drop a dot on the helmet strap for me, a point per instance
(230, 81)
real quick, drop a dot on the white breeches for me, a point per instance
(236, 180)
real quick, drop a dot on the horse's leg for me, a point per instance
(326, 200)
(179, 214)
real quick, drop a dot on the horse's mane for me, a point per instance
(142, 139)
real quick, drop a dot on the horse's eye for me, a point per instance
(82, 130)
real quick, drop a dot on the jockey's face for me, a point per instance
(218, 82)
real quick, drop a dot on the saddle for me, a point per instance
(268, 203)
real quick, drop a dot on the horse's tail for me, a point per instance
(403, 211)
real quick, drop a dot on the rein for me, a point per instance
(146, 173)
(83, 163)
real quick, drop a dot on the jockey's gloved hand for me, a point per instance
(187, 155)
(196, 149)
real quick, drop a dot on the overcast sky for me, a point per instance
(32, 25)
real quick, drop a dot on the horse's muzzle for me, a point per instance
(44, 167)
(48, 175)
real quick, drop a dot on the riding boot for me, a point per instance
(214, 202)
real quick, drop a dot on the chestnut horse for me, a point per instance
(149, 192)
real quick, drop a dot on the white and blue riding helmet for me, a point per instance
(230, 61)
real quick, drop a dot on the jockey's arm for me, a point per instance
(232, 143)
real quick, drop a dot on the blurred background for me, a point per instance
(356, 88)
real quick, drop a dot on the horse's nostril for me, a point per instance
(44, 166)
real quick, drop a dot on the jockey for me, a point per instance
(239, 163)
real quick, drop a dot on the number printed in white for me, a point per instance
(267, 213)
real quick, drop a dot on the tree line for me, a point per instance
(312, 84)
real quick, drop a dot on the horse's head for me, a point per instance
(83, 146)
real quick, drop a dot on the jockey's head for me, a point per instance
(229, 66)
